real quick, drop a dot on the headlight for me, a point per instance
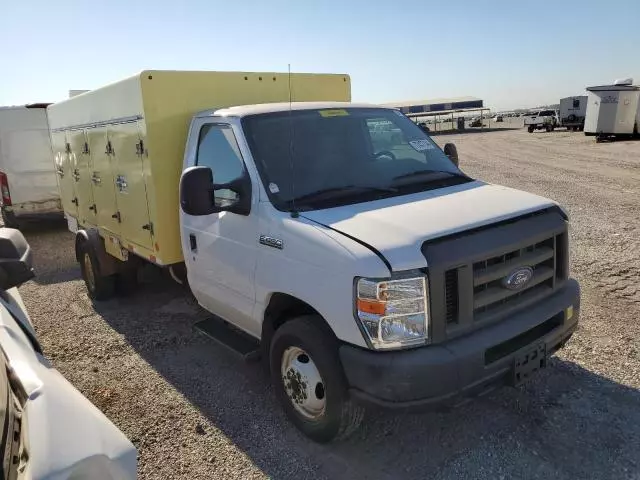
(393, 312)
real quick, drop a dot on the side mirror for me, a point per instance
(196, 191)
(200, 196)
(451, 151)
(15, 259)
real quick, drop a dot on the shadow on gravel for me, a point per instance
(568, 423)
(53, 253)
(34, 225)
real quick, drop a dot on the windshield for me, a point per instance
(347, 155)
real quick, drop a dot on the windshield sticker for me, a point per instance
(273, 188)
(334, 113)
(421, 145)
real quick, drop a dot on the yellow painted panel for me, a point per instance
(64, 172)
(131, 190)
(171, 98)
(82, 176)
(103, 180)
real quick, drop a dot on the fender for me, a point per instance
(357, 240)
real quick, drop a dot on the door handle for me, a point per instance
(192, 242)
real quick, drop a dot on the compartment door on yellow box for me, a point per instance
(131, 190)
(103, 179)
(64, 171)
(82, 176)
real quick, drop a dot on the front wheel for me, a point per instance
(309, 381)
(530, 129)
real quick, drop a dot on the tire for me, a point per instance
(9, 219)
(340, 415)
(530, 129)
(99, 287)
(548, 128)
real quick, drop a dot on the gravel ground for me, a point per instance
(195, 411)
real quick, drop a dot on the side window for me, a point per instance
(218, 150)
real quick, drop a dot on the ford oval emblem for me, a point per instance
(518, 279)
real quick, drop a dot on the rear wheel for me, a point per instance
(548, 128)
(9, 219)
(99, 287)
(530, 129)
(309, 380)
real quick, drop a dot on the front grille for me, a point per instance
(451, 295)
(467, 271)
(489, 293)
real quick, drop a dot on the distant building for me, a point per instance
(438, 106)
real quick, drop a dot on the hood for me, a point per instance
(398, 226)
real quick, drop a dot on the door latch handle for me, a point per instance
(192, 242)
(148, 226)
(95, 178)
(93, 207)
(75, 200)
(116, 216)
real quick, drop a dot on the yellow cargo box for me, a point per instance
(119, 149)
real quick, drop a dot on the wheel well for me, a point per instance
(108, 264)
(81, 237)
(282, 308)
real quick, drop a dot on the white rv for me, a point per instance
(612, 110)
(572, 112)
(27, 176)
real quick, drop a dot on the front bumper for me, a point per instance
(449, 373)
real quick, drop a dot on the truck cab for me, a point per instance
(366, 267)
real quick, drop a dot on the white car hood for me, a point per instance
(398, 226)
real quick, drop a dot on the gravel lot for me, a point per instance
(195, 411)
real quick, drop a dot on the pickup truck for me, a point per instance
(544, 119)
(335, 241)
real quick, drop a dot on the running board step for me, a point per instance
(228, 336)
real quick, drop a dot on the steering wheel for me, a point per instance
(384, 153)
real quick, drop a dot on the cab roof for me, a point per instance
(244, 110)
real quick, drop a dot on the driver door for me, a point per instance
(221, 249)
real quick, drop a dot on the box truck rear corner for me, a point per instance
(27, 177)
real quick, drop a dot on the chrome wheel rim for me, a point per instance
(88, 272)
(303, 383)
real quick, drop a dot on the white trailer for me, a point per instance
(572, 112)
(612, 110)
(27, 176)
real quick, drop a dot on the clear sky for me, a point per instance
(509, 53)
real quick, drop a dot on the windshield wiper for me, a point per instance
(433, 176)
(333, 192)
